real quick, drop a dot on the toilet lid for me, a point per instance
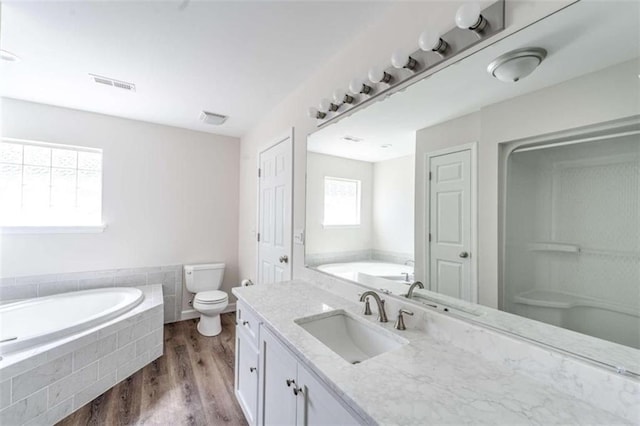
(213, 296)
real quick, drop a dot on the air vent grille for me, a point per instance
(212, 118)
(113, 82)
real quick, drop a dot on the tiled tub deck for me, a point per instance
(42, 385)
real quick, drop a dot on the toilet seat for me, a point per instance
(211, 297)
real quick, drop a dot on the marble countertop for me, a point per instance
(426, 381)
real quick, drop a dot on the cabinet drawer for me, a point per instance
(247, 322)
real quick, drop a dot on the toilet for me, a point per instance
(205, 280)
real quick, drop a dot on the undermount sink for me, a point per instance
(353, 338)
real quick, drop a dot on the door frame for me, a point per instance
(426, 217)
(288, 134)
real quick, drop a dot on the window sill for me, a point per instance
(94, 229)
(341, 226)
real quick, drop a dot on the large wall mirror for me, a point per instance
(520, 196)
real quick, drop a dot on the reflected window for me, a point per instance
(341, 202)
(49, 185)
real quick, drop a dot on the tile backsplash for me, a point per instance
(16, 288)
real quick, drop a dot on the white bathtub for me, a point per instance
(350, 270)
(44, 319)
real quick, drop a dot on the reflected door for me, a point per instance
(450, 224)
(274, 213)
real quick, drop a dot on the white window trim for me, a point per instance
(54, 229)
(88, 229)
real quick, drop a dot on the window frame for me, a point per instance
(358, 182)
(98, 227)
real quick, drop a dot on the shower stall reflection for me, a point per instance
(572, 254)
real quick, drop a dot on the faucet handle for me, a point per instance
(399, 325)
(367, 306)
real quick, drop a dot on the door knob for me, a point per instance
(284, 259)
(464, 255)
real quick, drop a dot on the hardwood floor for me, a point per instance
(191, 384)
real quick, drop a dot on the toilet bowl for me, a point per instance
(210, 304)
(205, 280)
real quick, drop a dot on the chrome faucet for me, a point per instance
(382, 315)
(413, 287)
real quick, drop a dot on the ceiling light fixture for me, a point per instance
(378, 75)
(468, 17)
(357, 86)
(5, 55)
(340, 96)
(399, 59)
(431, 41)
(212, 118)
(517, 64)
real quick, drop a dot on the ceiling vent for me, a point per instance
(212, 118)
(113, 82)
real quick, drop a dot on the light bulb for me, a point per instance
(431, 41)
(378, 75)
(326, 105)
(322, 106)
(314, 113)
(339, 95)
(399, 59)
(468, 17)
(357, 86)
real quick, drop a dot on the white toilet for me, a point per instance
(205, 280)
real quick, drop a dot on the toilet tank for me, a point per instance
(203, 277)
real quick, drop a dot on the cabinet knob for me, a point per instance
(297, 390)
(245, 322)
(290, 382)
(284, 259)
(252, 369)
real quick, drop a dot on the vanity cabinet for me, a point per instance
(289, 394)
(246, 363)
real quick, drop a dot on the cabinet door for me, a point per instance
(317, 406)
(246, 376)
(277, 402)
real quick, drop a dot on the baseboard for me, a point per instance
(192, 313)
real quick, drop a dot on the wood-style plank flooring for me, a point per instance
(191, 384)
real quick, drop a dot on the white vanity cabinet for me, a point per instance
(246, 368)
(289, 394)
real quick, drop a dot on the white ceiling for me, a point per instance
(236, 58)
(583, 38)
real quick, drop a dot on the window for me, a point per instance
(49, 185)
(341, 202)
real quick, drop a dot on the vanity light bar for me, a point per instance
(473, 26)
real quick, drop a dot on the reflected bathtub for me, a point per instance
(41, 320)
(350, 270)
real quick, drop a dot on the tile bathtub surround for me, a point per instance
(45, 384)
(16, 288)
(461, 372)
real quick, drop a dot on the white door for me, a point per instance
(450, 224)
(274, 212)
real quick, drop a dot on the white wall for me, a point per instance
(170, 196)
(399, 28)
(393, 195)
(337, 239)
(601, 96)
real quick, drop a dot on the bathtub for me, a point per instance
(350, 270)
(41, 320)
